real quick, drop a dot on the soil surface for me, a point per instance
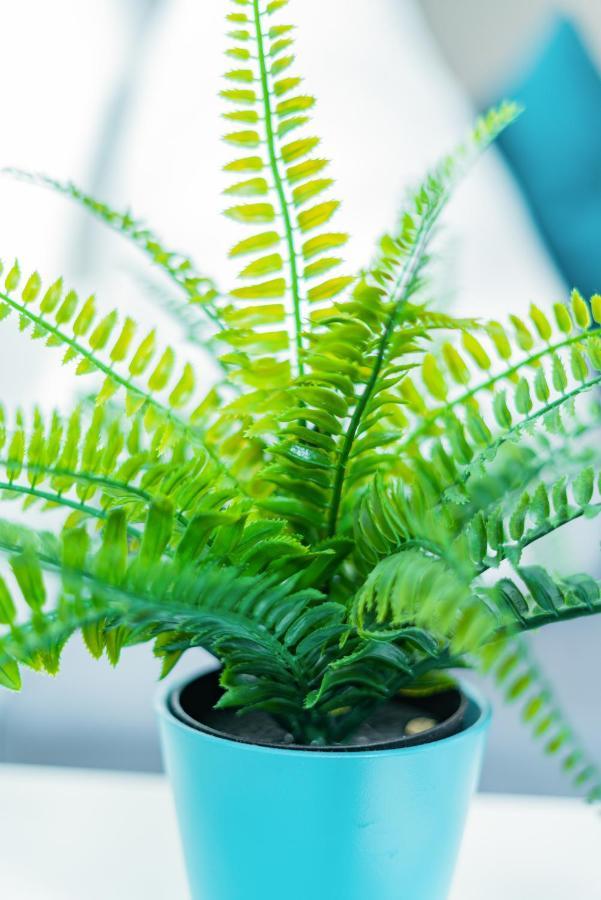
(388, 723)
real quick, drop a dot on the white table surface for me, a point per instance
(85, 835)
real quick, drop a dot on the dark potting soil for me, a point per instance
(389, 722)
(398, 722)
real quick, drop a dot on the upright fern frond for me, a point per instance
(281, 179)
(359, 353)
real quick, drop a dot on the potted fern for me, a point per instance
(340, 518)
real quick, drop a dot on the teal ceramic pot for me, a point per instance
(267, 823)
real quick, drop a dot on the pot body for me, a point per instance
(262, 823)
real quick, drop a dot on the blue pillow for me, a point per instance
(554, 150)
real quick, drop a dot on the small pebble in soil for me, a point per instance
(419, 724)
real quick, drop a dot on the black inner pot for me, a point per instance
(193, 703)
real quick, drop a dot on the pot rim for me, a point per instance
(163, 709)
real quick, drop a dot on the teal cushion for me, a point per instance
(554, 150)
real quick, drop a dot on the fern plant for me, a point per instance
(343, 514)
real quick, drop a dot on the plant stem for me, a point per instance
(279, 188)
(399, 292)
(60, 500)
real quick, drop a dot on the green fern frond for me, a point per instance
(505, 531)
(513, 666)
(90, 465)
(359, 353)
(260, 625)
(277, 187)
(200, 290)
(109, 348)
(539, 365)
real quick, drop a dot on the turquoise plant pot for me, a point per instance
(265, 823)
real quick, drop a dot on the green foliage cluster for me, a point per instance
(343, 515)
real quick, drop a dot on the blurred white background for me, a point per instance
(121, 97)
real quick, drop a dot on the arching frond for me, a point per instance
(514, 668)
(539, 367)
(109, 347)
(200, 290)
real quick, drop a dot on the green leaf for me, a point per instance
(497, 334)
(101, 334)
(247, 138)
(560, 379)
(184, 388)
(294, 105)
(523, 335)
(7, 606)
(11, 282)
(541, 387)
(158, 529)
(257, 242)
(543, 589)
(583, 486)
(253, 187)
(501, 410)
(562, 317)
(580, 310)
(290, 124)
(433, 377)
(540, 507)
(523, 401)
(28, 573)
(456, 365)
(248, 116)
(578, 364)
(281, 64)
(284, 85)
(476, 350)
(141, 358)
(310, 189)
(241, 75)
(266, 290)
(32, 288)
(298, 149)
(317, 215)
(541, 322)
(246, 164)
(314, 270)
(239, 95)
(329, 289)
(252, 213)
(162, 371)
(10, 676)
(307, 169)
(265, 265)
(322, 243)
(123, 342)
